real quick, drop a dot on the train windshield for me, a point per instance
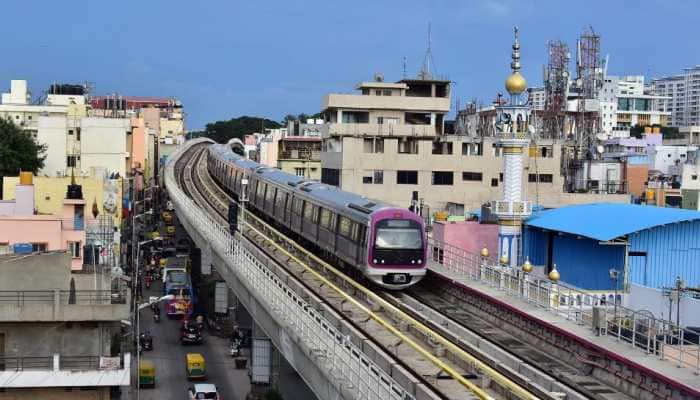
(398, 234)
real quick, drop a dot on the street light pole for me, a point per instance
(614, 275)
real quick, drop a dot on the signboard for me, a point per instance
(110, 363)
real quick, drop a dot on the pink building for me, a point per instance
(21, 228)
(139, 145)
(469, 236)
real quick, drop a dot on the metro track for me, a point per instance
(398, 321)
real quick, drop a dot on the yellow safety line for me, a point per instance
(475, 389)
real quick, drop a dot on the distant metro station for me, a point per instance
(649, 246)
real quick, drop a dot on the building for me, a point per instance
(164, 115)
(300, 155)
(536, 98)
(60, 330)
(648, 245)
(104, 195)
(682, 94)
(668, 160)
(312, 127)
(19, 225)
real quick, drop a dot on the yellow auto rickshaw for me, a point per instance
(196, 368)
(147, 373)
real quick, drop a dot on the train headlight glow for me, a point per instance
(374, 261)
(413, 261)
(382, 261)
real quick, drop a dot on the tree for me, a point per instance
(18, 151)
(223, 131)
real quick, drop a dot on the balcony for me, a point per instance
(300, 154)
(385, 130)
(73, 224)
(64, 305)
(63, 371)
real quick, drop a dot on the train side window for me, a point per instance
(355, 231)
(325, 219)
(271, 194)
(281, 199)
(344, 226)
(309, 211)
(261, 191)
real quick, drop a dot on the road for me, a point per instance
(169, 357)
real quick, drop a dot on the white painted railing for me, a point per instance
(651, 335)
(343, 363)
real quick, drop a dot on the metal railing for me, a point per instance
(342, 362)
(78, 297)
(54, 363)
(653, 336)
(73, 224)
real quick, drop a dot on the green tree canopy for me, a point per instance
(18, 151)
(223, 131)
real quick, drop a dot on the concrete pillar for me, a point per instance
(432, 90)
(56, 362)
(432, 119)
(339, 114)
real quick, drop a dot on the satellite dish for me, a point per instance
(600, 149)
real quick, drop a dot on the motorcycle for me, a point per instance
(156, 313)
(234, 349)
(146, 341)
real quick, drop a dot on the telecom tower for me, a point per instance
(512, 129)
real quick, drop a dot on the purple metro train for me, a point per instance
(386, 244)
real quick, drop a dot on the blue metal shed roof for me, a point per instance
(607, 221)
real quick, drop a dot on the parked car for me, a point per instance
(204, 391)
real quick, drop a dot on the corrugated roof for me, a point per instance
(607, 221)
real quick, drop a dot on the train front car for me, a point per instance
(396, 248)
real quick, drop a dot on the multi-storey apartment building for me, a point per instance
(388, 141)
(683, 96)
(536, 98)
(60, 331)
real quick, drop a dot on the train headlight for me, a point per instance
(420, 261)
(413, 261)
(375, 260)
(382, 261)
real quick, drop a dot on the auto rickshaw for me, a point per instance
(196, 367)
(147, 373)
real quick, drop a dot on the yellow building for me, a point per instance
(50, 192)
(300, 155)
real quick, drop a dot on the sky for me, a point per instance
(225, 59)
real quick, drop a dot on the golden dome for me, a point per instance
(516, 83)
(485, 252)
(504, 259)
(527, 267)
(554, 274)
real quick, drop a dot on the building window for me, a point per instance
(407, 177)
(443, 178)
(471, 149)
(386, 92)
(330, 176)
(494, 182)
(300, 171)
(74, 248)
(72, 161)
(373, 177)
(543, 178)
(39, 246)
(373, 145)
(377, 92)
(408, 146)
(472, 176)
(77, 134)
(694, 177)
(442, 147)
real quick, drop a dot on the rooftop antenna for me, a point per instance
(426, 71)
(404, 66)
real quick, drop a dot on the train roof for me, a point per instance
(357, 206)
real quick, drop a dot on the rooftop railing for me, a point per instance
(58, 362)
(66, 297)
